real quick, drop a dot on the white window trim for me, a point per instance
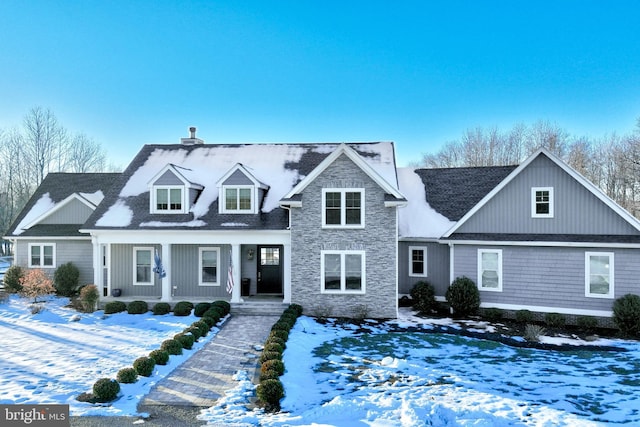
(533, 202)
(480, 269)
(343, 285)
(209, 248)
(424, 256)
(154, 198)
(343, 207)
(41, 246)
(135, 265)
(223, 198)
(587, 275)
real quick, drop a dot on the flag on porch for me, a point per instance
(230, 275)
(158, 268)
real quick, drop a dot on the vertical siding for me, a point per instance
(122, 272)
(185, 272)
(75, 212)
(437, 267)
(77, 252)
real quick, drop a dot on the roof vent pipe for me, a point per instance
(192, 132)
(192, 140)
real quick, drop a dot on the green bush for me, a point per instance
(89, 296)
(276, 340)
(463, 296)
(183, 308)
(282, 325)
(161, 308)
(66, 279)
(289, 317)
(297, 308)
(270, 392)
(186, 340)
(144, 366)
(224, 305)
(587, 323)
(210, 321)
(524, 316)
(270, 346)
(201, 308)
(137, 307)
(171, 346)
(106, 390)
(269, 374)
(276, 365)
(493, 314)
(12, 278)
(555, 320)
(280, 333)
(626, 314)
(424, 297)
(194, 330)
(161, 357)
(203, 326)
(215, 312)
(114, 307)
(270, 355)
(127, 376)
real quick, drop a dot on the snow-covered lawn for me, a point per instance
(345, 376)
(51, 357)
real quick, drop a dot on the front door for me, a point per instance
(269, 270)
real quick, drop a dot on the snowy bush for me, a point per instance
(106, 390)
(626, 314)
(66, 279)
(137, 307)
(463, 296)
(12, 278)
(127, 376)
(161, 308)
(144, 366)
(161, 357)
(89, 296)
(114, 307)
(36, 284)
(424, 297)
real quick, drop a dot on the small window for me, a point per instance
(238, 200)
(142, 259)
(599, 274)
(269, 256)
(42, 255)
(168, 200)
(343, 272)
(542, 202)
(209, 263)
(490, 270)
(343, 208)
(417, 261)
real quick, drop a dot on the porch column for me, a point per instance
(97, 264)
(286, 274)
(166, 280)
(236, 263)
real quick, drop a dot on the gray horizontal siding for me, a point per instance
(75, 212)
(77, 252)
(437, 267)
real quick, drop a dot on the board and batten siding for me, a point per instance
(437, 264)
(550, 277)
(576, 210)
(122, 270)
(77, 252)
(74, 212)
(185, 272)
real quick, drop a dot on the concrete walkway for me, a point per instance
(205, 376)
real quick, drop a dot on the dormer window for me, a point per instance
(173, 190)
(238, 199)
(168, 199)
(240, 191)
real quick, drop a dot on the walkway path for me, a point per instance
(205, 376)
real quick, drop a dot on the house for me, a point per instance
(336, 228)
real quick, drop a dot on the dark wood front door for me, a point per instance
(269, 269)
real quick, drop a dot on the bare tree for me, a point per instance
(85, 154)
(45, 142)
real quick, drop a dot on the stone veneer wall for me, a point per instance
(377, 239)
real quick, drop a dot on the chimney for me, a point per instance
(192, 140)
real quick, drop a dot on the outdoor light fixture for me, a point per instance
(250, 254)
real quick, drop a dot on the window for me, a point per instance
(343, 272)
(209, 262)
(168, 200)
(417, 261)
(542, 202)
(42, 255)
(142, 259)
(343, 208)
(490, 270)
(269, 256)
(599, 274)
(238, 199)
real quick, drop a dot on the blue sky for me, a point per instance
(415, 72)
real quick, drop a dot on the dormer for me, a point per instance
(173, 190)
(240, 192)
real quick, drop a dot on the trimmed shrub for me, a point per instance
(276, 365)
(137, 307)
(276, 340)
(269, 374)
(161, 308)
(493, 314)
(183, 308)
(224, 305)
(282, 325)
(270, 355)
(587, 323)
(172, 347)
(270, 346)
(12, 278)
(270, 392)
(555, 320)
(127, 376)
(144, 366)
(280, 333)
(114, 307)
(524, 316)
(626, 314)
(215, 312)
(201, 308)
(297, 307)
(89, 296)
(424, 297)
(209, 321)
(463, 296)
(204, 328)
(106, 390)
(193, 330)
(161, 357)
(66, 279)
(186, 340)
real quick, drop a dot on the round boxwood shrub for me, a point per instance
(271, 346)
(281, 325)
(270, 391)
(269, 374)
(555, 320)
(224, 305)
(66, 279)
(203, 326)
(276, 340)
(201, 308)
(172, 346)
(463, 296)
(524, 316)
(297, 308)
(182, 308)
(215, 312)
(114, 307)
(106, 389)
(210, 321)
(193, 330)
(276, 365)
(290, 318)
(280, 333)
(626, 314)
(137, 307)
(144, 366)
(161, 308)
(12, 278)
(161, 357)
(127, 376)
(186, 340)
(424, 297)
(270, 355)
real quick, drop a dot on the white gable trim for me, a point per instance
(58, 206)
(565, 167)
(241, 168)
(355, 158)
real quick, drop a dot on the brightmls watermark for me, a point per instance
(34, 415)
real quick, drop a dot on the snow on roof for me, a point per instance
(418, 219)
(118, 215)
(94, 198)
(42, 206)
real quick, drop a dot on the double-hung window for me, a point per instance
(599, 274)
(343, 272)
(169, 200)
(490, 270)
(238, 199)
(417, 261)
(542, 202)
(209, 261)
(343, 207)
(142, 272)
(42, 255)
